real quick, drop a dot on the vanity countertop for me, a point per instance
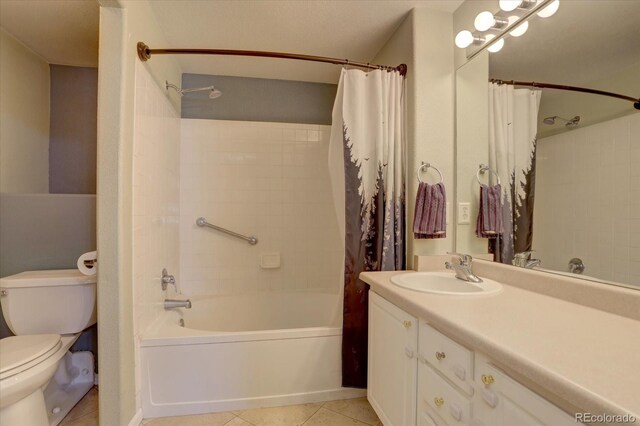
(587, 357)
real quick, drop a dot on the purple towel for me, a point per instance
(430, 218)
(489, 224)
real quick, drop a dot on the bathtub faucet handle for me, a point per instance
(167, 279)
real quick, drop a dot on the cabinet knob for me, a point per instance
(460, 371)
(487, 379)
(409, 352)
(407, 324)
(438, 401)
(440, 356)
(490, 398)
(455, 411)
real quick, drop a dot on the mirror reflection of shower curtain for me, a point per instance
(513, 121)
(366, 163)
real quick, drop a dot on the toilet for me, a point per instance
(40, 380)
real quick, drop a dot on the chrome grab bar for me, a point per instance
(201, 221)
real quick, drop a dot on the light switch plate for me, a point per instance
(464, 213)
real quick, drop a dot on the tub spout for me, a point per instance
(174, 303)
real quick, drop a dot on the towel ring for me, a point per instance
(483, 168)
(425, 166)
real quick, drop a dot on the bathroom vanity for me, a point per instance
(514, 357)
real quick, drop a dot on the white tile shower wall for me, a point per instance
(156, 201)
(588, 199)
(270, 180)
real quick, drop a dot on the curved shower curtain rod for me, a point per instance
(636, 101)
(145, 52)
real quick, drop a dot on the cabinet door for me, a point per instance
(392, 364)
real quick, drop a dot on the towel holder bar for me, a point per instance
(201, 221)
(484, 168)
(424, 166)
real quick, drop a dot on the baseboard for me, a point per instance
(201, 407)
(137, 419)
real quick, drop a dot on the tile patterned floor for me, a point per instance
(85, 413)
(347, 412)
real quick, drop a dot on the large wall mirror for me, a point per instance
(568, 162)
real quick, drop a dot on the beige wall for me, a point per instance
(122, 25)
(24, 118)
(423, 42)
(472, 147)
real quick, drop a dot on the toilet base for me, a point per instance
(27, 411)
(72, 380)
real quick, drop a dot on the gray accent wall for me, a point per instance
(259, 99)
(73, 130)
(44, 231)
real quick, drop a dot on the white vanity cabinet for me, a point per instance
(419, 376)
(392, 363)
(445, 379)
(500, 400)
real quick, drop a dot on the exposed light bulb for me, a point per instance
(549, 10)
(497, 46)
(464, 39)
(509, 5)
(484, 21)
(520, 29)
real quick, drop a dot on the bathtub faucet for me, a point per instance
(175, 303)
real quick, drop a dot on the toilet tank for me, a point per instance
(43, 302)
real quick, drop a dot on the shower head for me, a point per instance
(573, 122)
(213, 92)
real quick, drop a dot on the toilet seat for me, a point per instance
(19, 353)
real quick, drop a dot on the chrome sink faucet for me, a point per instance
(524, 260)
(462, 267)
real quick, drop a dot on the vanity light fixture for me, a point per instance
(549, 10)
(511, 5)
(485, 21)
(520, 29)
(466, 38)
(497, 46)
(512, 19)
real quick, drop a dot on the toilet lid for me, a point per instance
(18, 353)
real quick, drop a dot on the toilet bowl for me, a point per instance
(27, 365)
(39, 378)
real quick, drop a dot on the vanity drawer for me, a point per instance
(453, 360)
(440, 397)
(502, 400)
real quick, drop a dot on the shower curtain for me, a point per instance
(366, 162)
(513, 121)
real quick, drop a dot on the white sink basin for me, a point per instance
(444, 283)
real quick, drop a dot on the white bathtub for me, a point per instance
(244, 351)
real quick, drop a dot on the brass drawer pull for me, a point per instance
(440, 356)
(487, 379)
(438, 401)
(407, 324)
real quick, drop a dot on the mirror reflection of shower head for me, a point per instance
(213, 92)
(573, 122)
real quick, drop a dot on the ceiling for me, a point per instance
(583, 42)
(66, 31)
(61, 31)
(347, 29)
